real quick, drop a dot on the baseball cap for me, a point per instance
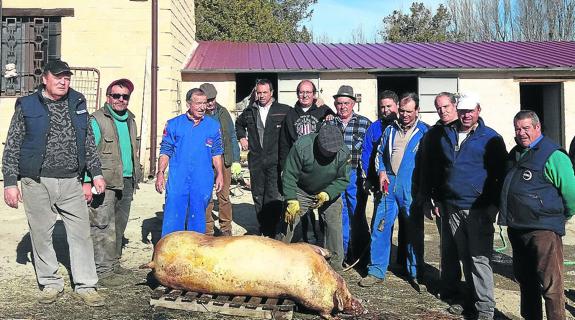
(56, 67)
(467, 101)
(123, 82)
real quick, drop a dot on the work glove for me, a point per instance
(320, 199)
(292, 211)
(236, 170)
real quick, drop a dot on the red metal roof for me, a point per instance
(218, 56)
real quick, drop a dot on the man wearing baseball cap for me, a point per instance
(472, 169)
(49, 147)
(316, 172)
(115, 135)
(231, 159)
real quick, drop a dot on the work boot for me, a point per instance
(121, 270)
(91, 297)
(369, 281)
(49, 295)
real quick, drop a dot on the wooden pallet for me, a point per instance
(253, 307)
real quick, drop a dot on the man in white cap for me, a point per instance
(472, 172)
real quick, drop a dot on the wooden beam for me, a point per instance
(37, 12)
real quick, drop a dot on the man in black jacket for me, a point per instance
(258, 128)
(304, 118)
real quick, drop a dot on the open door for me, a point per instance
(546, 100)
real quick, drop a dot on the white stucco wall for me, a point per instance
(569, 102)
(500, 101)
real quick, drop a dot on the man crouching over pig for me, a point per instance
(315, 173)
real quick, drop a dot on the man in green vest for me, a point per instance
(232, 165)
(115, 134)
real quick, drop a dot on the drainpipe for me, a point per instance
(154, 93)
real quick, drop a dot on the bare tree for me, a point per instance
(358, 35)
(506, 20)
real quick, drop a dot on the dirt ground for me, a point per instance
(394, 299)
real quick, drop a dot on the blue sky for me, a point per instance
(337, 18)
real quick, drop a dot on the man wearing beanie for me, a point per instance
(316, 172)
(115, 135)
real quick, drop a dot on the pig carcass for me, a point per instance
(252, 266)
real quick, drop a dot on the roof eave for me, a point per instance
(377, 70)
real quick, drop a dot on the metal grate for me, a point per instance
(87, 81)
(27, 44)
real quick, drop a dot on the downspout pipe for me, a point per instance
(154, 92)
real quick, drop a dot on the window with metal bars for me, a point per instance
(27, 44)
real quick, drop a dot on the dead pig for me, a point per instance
(252, 266)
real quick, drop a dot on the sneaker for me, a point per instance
(369, 281)
(416, 284)
(49, 295)
(227, 233)
(91, 297)
(120, 270)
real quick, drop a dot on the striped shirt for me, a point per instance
(353, 135)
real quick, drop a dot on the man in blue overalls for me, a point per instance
(192, 146)
(396, 157)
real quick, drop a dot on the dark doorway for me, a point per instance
(546, 100)
(245, 83)
(398, 84)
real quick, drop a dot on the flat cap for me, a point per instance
(209, 90)
(330, 138)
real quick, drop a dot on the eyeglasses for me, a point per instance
(117, 96)
(304, 93)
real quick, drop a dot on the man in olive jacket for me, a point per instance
(116, 134)
(316, 172)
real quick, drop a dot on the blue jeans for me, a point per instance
(354, 224)
(396, 203)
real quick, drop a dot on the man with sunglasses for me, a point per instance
(115, 135)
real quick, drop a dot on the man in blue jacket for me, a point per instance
(472, 171)
(396, 157)
(49, 147)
